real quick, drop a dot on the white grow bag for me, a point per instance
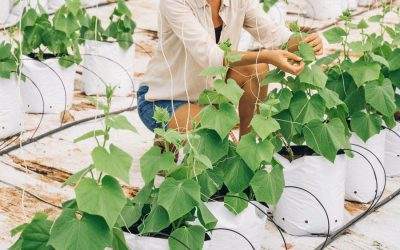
(366, 2)
(107, 63)
(350, 4)
(360, 179)
(392, 152)
(4, 11)
(250, 223)
(298, 212)
(324, 9)
(10, 107)
(19, 8)
(278, 13)
(55, 83)
(135, 242)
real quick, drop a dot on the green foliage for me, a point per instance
(8, 60)
(120, 28)
(192, 236)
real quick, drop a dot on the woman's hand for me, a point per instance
(285, 61)
(313, 39)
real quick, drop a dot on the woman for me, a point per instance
(189, 33)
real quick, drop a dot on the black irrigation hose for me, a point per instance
(262, 211)
(31, 194)
(61, 128)
(391, 130)
(326, 213)
(376, 179)
(59, 78)
(233, 231)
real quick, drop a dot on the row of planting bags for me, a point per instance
(16, 7)
(49, 87)
(313, 200)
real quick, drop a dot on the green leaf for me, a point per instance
(230, 90)
(379, 59)
(394, 61)
(253, 153)
(35, 235)
(210, 182)
(285, 121)
(208, 143)
(359, 47)
(264, 126)
(153, 161)
(192, 237)
(116, 163)
(313, 75)
(211, 97)
(125, 40)
(380, 95)
(236, 202)
(156, 221)
(268, 187)
(106, 200)
(303, 110)
(306, 52)
(77, 176)
(327, 60)
(206, 218)
(118, 242)
(178, 197)
(120, 122)
(222, 120)
(331, 98)
(284, 96)
(363, 72)
(123, 8)
(362, 24)
(161, 115)
(89, 135)
(375, 19)
(66, 23)
(273, 76)
(365, 125)
(214, 71)
(237, 174)
(130, 214)
(325, 138)
(335, 35)
(73, 231)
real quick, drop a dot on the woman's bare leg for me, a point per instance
(248, 78)
(184, 116)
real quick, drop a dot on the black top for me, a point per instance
(218, 32)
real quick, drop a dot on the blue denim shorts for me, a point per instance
(146, 108)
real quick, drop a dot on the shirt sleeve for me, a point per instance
(193, 35)
(263, 28)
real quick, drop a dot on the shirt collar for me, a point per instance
(202, 3)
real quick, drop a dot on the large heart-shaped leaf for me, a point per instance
(325, 138)
(268, 187)
(178, 197)
(253, 153)
(304, 109)
(116, 163)
(210, 182)
(206, 218)
(331, 98)
(221, 120)
(264, 126)
(156, 221)
(365, 125)
(363, 71)
(335, 35)
(35, 235)
(106, 200)
(192, 237)
(208, 143)
(237, 174)
(230, 90)
(380, 95)
(74, 231)
(236, 202)
(313, 75)
(153, 161)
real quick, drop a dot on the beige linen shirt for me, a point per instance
(187, 44)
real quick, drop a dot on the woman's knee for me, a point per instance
(184, 116)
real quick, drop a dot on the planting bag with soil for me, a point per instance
(10, 107)
(4, 11)
(324, 9)
(54, 86)
(361, 183)
(392, 152)
(107, 63)
(250, 223)
(298, 212)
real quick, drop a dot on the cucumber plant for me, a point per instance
(367, 84)
(43, 36)
(93, 219)
(9, 61)
(120, 29)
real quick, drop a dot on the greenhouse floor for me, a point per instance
(31, 176)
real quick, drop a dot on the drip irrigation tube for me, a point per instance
(61, 128)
